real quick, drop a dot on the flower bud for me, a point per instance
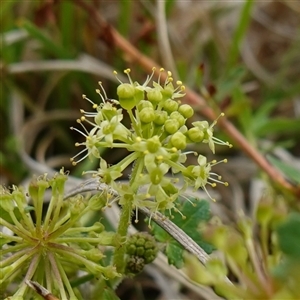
(195, 134)
(143, 104)
(175, 115)
(142, 245)
(147, 115)
(138, 94)
(186, 110)
(126, 93)
(170, 105)
(154, 95)
(153, 144)
(178, 140)
(171, 126)
(160, 117)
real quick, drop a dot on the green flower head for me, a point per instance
(156, 139)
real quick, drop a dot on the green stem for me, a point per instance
(57, 275)
(65, 280)
(126, 212)
(18, 231)
(124, 222)
(136, 128)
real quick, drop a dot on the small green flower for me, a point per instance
(156, 140)
(207, 131)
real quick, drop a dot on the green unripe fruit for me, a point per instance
(170, 105)
(186, 110)
(160, 117)
(178, 140)
(175, 115)
(171, 126)
(154, 95)
(147, 115)
(195, 134)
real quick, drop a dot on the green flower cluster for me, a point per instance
(141, 250)
(49, 246)
(156, 140)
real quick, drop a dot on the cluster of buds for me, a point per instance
(156, 141)
(141, 250)
(49, 246)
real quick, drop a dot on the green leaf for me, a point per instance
(173, 249)
(289, 236)
(230, 81)
(278, 125)
(195, 213)
(174, 252)
(239, 34)
(46, 41)
(289, 171)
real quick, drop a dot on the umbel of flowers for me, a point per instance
(49, 245)
(156, 141)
